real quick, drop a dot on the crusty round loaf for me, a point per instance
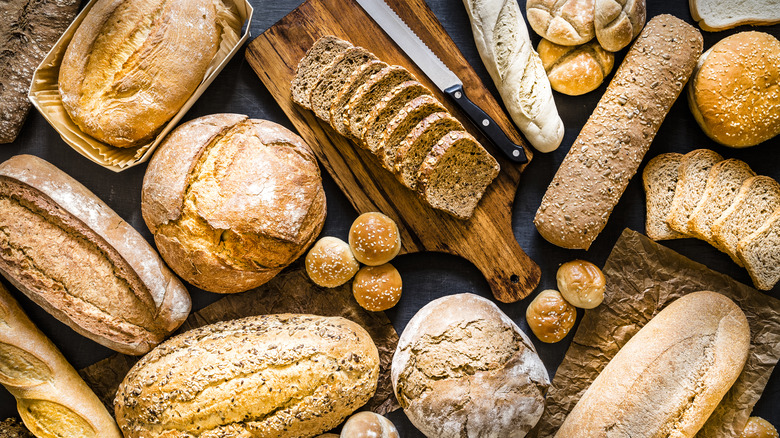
(231, 201)
(131, 66)
(269, 376)
(575, 70)
(735, 91)
(463, 368)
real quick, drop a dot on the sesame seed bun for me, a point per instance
(377, 288)
(330, 262)
(735, 93)
(374, 239)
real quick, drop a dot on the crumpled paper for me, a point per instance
(289, 292)
(642, 278)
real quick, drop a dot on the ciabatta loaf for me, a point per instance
(667, 380)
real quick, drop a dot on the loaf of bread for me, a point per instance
(28, 31)
(112, 287)
(667, 380)
(131, 66)
(610, 147)
(51, 398)
(231, 201)
(464, 368)
(505, 47)
(270, 376)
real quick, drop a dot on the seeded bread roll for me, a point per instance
(330, 262)
(610, 147)
(269, 376)
(377, 288)
(374, 239)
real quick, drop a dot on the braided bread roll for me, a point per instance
(502, 39)
(52, 399)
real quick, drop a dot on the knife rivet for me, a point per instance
(458, 95)
(515, 153)
(485, 122)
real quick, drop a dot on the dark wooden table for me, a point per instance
(427, 275)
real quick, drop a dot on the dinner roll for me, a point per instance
(581, 283)
(575, 70)
(368, 425)
(377, 288)
(330, 262)
(757, 427)
(374, 239)
(735, 93)
(463, 368)
(550, 316)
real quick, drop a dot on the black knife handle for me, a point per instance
(487, 125)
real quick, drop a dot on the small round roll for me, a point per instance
(581, 283)
(575, 70)
(377, 288)
(756, 427)
(374, 239)
(368, 425)
(550, 316)
(330, 262)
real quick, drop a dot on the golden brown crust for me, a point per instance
(567, 22)
(575, 70)
(550, 316)
(330, 262)
(734, 94)
(374, 238)
(377, 288)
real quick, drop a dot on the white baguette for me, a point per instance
(505, 47)
(52, 399)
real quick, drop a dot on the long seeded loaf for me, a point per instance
(609, 149)
(416, 146)
(454, 175)
(760, 253)
(660, 180)
(756, 200)
(368, 95)
(401, 124)
(307, 74)
(333, 78)
(724, 181)
(358, 77)
(388, 107)
(694, 168)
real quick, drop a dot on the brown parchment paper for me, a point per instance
(289, 292)
(642, 278)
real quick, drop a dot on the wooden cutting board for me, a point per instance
(487, 239)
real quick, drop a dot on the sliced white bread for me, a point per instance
(758, 198)
(760, 253)
(324, 51)
(694, 168)
(717, 15)
(660, 181)
(723, 183)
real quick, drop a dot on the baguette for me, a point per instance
(611, 145)
(668, 378)
(52, 399)
(112, 287)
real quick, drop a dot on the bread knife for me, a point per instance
(442, 76)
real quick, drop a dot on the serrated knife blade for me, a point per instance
(440, 75)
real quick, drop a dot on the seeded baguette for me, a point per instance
(694, 168)
(611, 145)
(660, 180)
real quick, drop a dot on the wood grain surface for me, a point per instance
(486, 239)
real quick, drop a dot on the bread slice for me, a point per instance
(307, 74)
(369, 94)
(377, 120)
(694, 168)
(355, 80)
(334, 77)
(760, 253)
(723, 183)
(415, 147)
(402, 124)
(758, 198)
(455, 174)
(660, 181)
(717, 15)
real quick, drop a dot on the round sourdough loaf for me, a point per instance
(231, 201)
(131, 66)
(463, 368)
(269, 376)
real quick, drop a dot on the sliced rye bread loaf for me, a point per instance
(334, 77)
(355, 80)
(415, 147)
(401, 125)
(387, 107)
(760, 253)
(758, 198)
(694, 168)
(660, 181)
(369, 94)
(307, 74)
(455, 174)
(724, 181)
